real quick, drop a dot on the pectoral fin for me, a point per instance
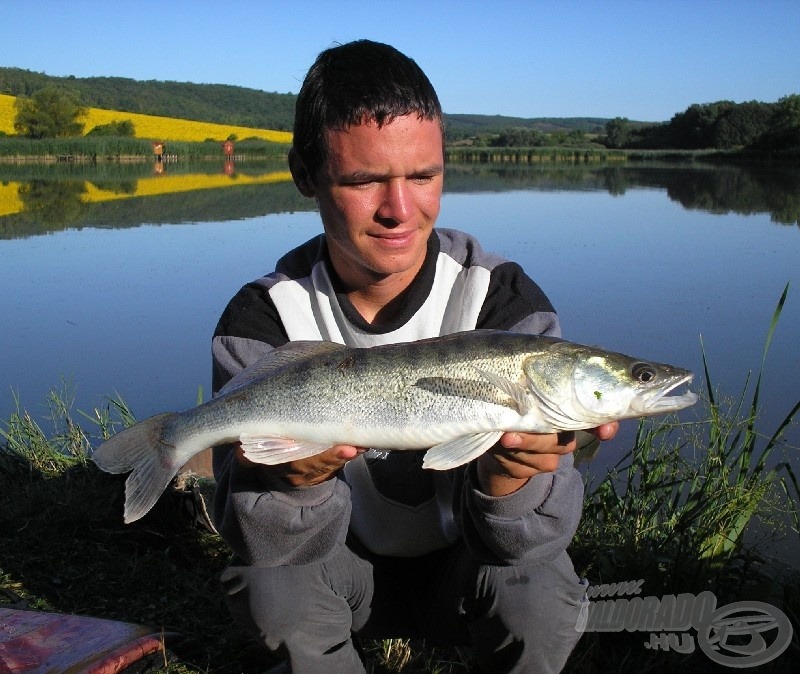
(512, 389)
(272, 451)
(454, 453)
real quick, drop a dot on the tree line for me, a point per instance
(751, 127)
(724, 125)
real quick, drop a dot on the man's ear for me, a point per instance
(300, 175)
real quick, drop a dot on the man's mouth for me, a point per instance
(394, 238)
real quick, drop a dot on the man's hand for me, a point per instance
(519, 456)
(306, 472)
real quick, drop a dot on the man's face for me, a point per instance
(378, 195)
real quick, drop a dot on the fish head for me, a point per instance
(581, 386)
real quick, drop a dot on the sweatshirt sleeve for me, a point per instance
(532, 525)
(265, 521)
(269, 524)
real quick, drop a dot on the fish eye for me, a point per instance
(644, 373)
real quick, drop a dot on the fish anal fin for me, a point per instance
(457, 452)
(272, 451)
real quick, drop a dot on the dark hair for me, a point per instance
(354, 82)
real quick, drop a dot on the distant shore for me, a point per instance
(457, 154)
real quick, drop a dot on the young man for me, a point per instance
(354, 542)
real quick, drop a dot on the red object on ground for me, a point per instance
(33, 642)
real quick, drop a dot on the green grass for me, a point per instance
(110, 148)
(682, 510)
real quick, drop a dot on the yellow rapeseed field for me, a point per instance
(7, 113)
(154, 127)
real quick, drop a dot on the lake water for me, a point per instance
(112, 279)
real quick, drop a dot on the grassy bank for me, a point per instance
(104, 149)
(595, 154)
(688, 508)
(110, 149)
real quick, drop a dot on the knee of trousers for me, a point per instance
(291, 607)
(532, 604)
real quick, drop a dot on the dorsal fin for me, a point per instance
(280, 357)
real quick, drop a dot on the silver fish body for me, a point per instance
(454, 396)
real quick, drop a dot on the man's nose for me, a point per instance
(397, 201)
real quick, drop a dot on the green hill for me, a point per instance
(219, 103)
(241, 106)
(470, 125)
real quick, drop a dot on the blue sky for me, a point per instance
(640, 59)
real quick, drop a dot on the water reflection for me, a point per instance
(38, 200)
(742, 189)
(42, 200)
(57, 203)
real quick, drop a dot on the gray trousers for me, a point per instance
(515, 618)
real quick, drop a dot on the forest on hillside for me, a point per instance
(240, 106)
(220, 103)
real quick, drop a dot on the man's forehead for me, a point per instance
(400, 135)
(370, 123)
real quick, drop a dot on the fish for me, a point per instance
(453, 396)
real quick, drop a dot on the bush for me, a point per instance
(124, 129)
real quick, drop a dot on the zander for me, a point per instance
(454, 396)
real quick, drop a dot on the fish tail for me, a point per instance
(151, 462)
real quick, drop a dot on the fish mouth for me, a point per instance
(657, 401)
